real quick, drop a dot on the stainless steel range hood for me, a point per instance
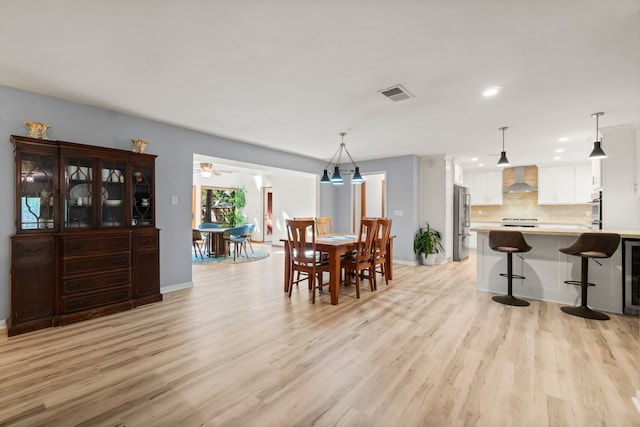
(519, 186)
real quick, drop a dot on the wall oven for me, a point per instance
(631, 276)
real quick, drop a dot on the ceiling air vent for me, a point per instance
(396, 93)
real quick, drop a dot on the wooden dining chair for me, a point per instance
(380, 250)
(361, 259)
(304, 257)
(299, 275)
(324, 225)
(306, 218)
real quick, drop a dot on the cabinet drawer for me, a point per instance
(95, 244)
(90, 264)
(95, 283)
(146, 240)
(25, 251)
(72, 304)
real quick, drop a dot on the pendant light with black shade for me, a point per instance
(597, 152)
(503, 155)
(336, 177)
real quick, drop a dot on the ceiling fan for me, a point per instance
(207, 170)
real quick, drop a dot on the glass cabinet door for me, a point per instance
(78, 192)
(113, 197)
(142, 200)
(36, 193)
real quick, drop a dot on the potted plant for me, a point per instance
(427, 244)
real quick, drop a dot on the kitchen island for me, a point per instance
(546, 268)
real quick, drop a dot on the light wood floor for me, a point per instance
(427, 350)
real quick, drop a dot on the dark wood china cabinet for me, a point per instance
(85, 244)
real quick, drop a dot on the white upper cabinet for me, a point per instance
(546, 185)
(494, 187)
(469, 182)
(584, 187)
(562, 185)
(485, 187)
(556, 185)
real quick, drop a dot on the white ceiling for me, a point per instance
(292, 74)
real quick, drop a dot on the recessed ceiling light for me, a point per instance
(491, 91)
(557, 158)
(480, 164)
(560, 150)
(474, 159)
(563, 139)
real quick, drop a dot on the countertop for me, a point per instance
(539, 223)
(627, 234)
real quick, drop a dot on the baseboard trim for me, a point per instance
(636, 400)
(3, 324)
(402, 262)
(176, 287)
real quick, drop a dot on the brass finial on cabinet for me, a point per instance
(138, 145)
(37, 130)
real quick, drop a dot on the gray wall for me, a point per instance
(403, 194)
(436, 184)
(175, 147)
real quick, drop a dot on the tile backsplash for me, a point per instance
(525, 205)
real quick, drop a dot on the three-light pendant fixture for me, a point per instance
(336, 177)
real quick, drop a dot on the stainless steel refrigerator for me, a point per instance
(461, 222)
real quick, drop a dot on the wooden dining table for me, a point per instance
(335, 245)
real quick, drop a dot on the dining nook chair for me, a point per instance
(356, 262)
(237, 236)
(252, 229)
(198, 241)
(304, 256)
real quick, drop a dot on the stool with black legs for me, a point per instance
(510, 242)
(589, 245)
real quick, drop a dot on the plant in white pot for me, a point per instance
(427, 244)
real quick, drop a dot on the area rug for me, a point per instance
(255, 256)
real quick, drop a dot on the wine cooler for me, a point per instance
(631, 276)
